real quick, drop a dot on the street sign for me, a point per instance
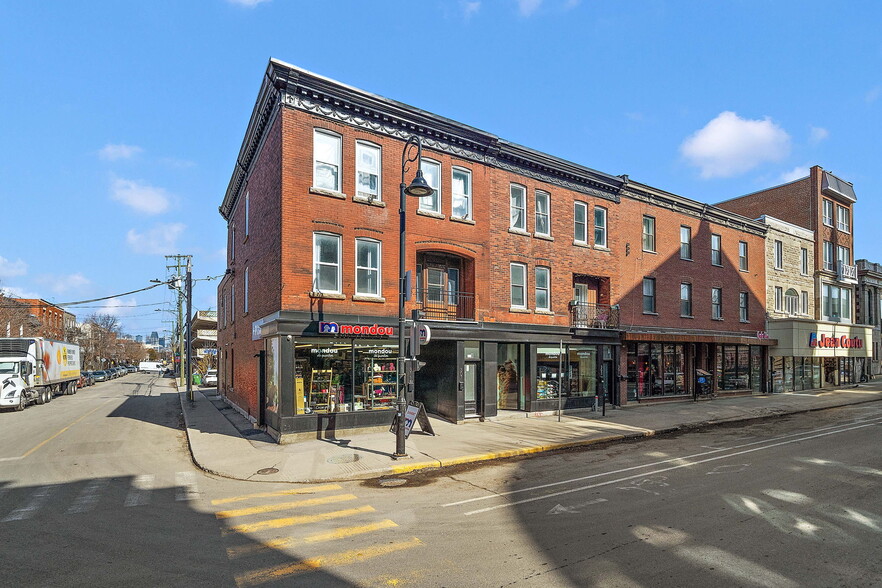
(425, 333)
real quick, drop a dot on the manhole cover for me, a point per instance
(392, 482)
(343, 459)
(267, 471)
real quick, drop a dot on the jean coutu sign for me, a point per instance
(333, 328)
(843, 342)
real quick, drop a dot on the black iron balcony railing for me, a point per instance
(593, 316)
(445, 305)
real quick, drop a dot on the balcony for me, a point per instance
(593, 316)
(438, 304)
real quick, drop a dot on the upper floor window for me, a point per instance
(517, 205)
(828, 213)
(247, 212)
(803, 262)
(368, 171)
(648, 233)
(716, 249)
(843, 255)
(543, 225)
(649, 295)
(685, 299)
(685, 243)
(432, 174)
(717, 303)
(580, 222)
(518, 285)
(742, 255)
(843, 219)
(743, 314)
(542, 288)
(804, 301)
(779, 255)
(829, 262)
(600, 217)
(245, 293)
(779, 298)
(367, 267)
(326, 263)
(326, 155)
(232, 241)
(462, 194)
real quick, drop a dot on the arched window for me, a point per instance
(791, 301)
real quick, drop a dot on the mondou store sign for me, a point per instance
(844, 342)
(334, 328)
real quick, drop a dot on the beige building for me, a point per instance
(790, 263)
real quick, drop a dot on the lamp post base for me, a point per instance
(399, 455)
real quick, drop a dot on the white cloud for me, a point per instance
(63, 284)
(118, 306)
(140, 196)
(160, 240)
(730, 145)
(796, 173)
(16, 292)
(9, 269)
(818, 134)
(247, 3)
(469, 9)
(111, 152)
(873, 94)
(528, 7)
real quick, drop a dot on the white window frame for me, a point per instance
(541, 290)
(743, 307)
(337, 163)
(247, 213)
(245, 293)
(717, 306)
(520, 287)
(373, 269)
(779, 254)
(742, 256)
(583, 224)
(648, 240)
(779, 298)
(716, 249)
(687, 288)
(317, 264)
(649, 295)
(843, 255)
(843, 219)
(543, 214)
(803, 262)
(433, 176)
(466, 195)
(687, 243)
(601, 217)
(829, 256)
(363, 148)
(827, 212)
(233, 302)
(517, 207)
(803, 298)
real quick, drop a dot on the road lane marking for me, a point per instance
(41, 444)
(280, 572)
(39, 498)
(141, 490)
(310, 490)
(652, 464)
(676, 467)
(286, 542)
(298, 520)
(185, 486)
(88, 497)
(241, 512)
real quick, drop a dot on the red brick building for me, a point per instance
(53, 320)
(537, 276)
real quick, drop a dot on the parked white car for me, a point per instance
(210, 378)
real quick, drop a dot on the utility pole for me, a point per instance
(180, 264)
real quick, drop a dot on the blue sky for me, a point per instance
(121, 120)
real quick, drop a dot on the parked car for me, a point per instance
(210, 378)
(131, 369)
(100, 376)
(85, 380)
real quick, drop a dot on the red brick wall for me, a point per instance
(791, 202)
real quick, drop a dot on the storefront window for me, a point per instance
(509, 376)
(788, 374)
(777, 375)
(632, 371)
(583, 379)
(798, 374)
(756, 368)
(817, 377)
(644, 378)
(548, 377)
(272, 375)
(656, 369)
(831, 373)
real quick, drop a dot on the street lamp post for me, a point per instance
(418, 188)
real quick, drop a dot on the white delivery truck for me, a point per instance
(33, 369)
(150, 366)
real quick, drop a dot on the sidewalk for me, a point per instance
(223, 442)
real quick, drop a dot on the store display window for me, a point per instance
(656, 369)
(510, 376)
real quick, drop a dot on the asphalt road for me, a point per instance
(98, 489)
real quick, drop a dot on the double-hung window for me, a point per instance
(779, 255)
(462, 194)
(829, 262)
(518, 285)
(649, 295)
(716, 249)
(326, 155)
(685, 242)
(367, 267)
(600, 218)
(245, 293)
(803, 261)
(743, 314)
(843, 255)
(649, 234)
(432, 174)
(542, 288)
(543, 223)
(742, 256)
(368, 167)
(779, 298)
(804, 302)
(580, 222)
(517, 207)
(828, 213)
(685, 299)
(717, 303)
(843, 219)
(326, 263)
(247, 212)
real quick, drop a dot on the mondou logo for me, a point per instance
(843, 342)
(330, 328)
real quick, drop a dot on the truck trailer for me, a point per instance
(34, 369)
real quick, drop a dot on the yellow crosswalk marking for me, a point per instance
(286, 542)
(314, 563)
(310, 490)
(241, 512)
(298, 520)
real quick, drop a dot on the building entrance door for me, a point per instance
(472, 389)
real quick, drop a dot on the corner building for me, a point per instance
(528, 269)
